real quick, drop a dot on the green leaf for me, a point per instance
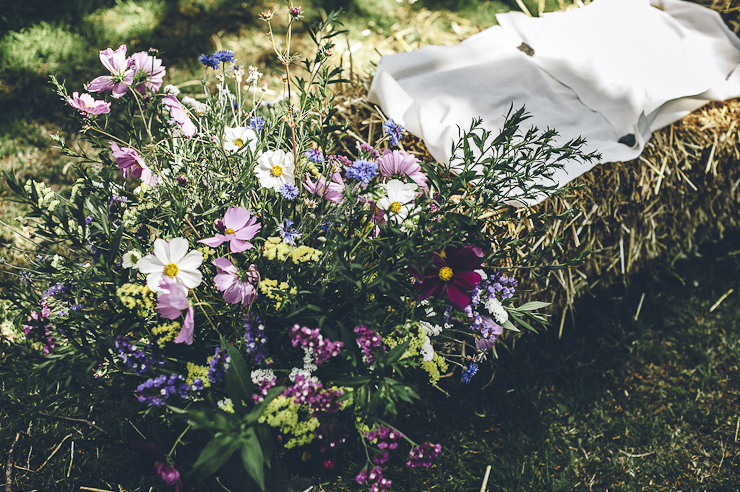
(238, 376)
(532, 305)
(253, 459)
(510, 326)
(216, 453)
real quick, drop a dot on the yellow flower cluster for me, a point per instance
(275, 248)
(283, 414)
(46, 194)
(133, 216)
(195, 371)
(432, 367)
(275, 291)
(137, 298)
(166, 332)
(77, 190)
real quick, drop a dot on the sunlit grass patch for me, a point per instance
(127, 22)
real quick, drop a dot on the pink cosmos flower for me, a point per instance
(399, 163)
(180, 116)
(452, 274)
(121, 75)
(239, 228)
(331, 190)
(88, 105)
(172, 300)
(237, 286)
(148, 71)
(132, 165)
(152, 461)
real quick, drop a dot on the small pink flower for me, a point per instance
(180, 116)
(238, 287)
(331, 190)
(148, 71)
(88, 105)
(121, 75)
(239, 228)
(132, 165)
(401, 164)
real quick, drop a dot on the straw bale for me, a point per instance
(681, 191)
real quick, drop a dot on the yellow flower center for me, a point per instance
(238, 142)
(171, 270)
(229, 231)
(395, 207)
(88, 105)
(445, 273)
(276, 171)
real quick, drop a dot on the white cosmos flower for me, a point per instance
(274, 169)
(131, 259)
(172, 259)
(236, 138)
(398, 201)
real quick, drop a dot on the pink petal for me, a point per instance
(188, 328)
(458, 298)
(223, 264)
(237, 245)
(214, 241)
(236, 217)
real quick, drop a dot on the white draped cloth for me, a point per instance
(611, 72)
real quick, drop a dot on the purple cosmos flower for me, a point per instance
(454, 275)
(237, 286)
(132, 165)
(153, 462)
(172, 300)
(121, 75)
(239, 228)
(87, 105)
(331, 190)
(148, 71)
(401, 164)
(393, 129)
(180, 116)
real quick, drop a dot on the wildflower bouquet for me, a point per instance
(253, 288)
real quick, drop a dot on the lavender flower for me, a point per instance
(218, 365)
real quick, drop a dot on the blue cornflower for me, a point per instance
(256, 124)
(208, 61)
(223, 56)
(76, 307)
(288, 191)
(288, 233)
(89, 219)
(393, 129)
(326, 226)
(362, 170)
(470, 372)
(315, 155)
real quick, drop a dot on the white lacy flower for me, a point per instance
(171, 89)
(431, 329)
(427, 351)
(483, 275)
(497, 310)
(172, 259)
(275, 168)
(398, 200)
(236, 138)
(259, 375)
(302, 372)
(131, 259)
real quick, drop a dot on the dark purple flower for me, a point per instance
(153, 462)
(453, 274)
(423, 454)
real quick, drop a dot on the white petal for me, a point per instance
(161, 251)
(191, 262)
(178, 247)
(153, 280)
(150, 264)
(189, 279)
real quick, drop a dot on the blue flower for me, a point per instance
(218, 365)
(362, 170)
(223, 56)
(256, 124)
(326, 226)
(288, 233)
(315, 155)
(208, 61)
(393, 129)
(288, 191)
(469, 372)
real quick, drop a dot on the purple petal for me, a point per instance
(459, 299)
